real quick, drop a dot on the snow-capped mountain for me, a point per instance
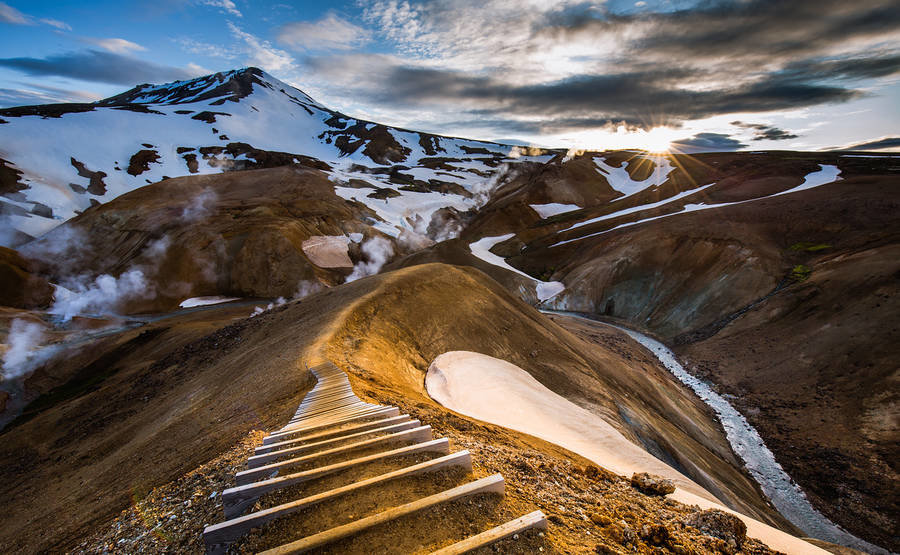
(59, 160)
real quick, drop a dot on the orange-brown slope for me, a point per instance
(142, 407)
(391, 336)
(811, 364)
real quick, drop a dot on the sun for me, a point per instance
(657, 140)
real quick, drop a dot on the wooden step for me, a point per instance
(490, 484)
(537, 520)
(422, 433)
(237, 499)
(339, 407)
(326, 435)
(316, 427)
(330, 419)
(231, 530)
(260, 460)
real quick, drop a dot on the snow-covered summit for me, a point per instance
(58, 160)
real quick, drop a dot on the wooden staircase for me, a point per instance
(346, 476)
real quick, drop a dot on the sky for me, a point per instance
(688, 74)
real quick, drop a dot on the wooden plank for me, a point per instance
(327, 395)
(491, 484)
(422, 433)
(324, 407)
(331, 419)
(230, 530)
(235, 500)
(259, 460)
(314, 413)
(336, 407)
(325, 435)
(275, 436)
(489, 537)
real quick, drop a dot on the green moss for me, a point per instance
(800, 272)
(809, 247)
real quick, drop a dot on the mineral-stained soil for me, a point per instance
(788, 303)
(20, 286)
(150, 406)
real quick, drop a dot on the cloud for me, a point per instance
(42, 94)
(207, 49)
(261, 53)
(119, 46)
(225, 5)
(763, 132)
(9, 14)
(645, 98)
(878, 144)
(98, 66)
(61, 25)
(707, 142)
(328, 33)
(572, 64)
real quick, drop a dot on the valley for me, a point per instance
(167, 286)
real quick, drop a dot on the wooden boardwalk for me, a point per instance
(334, 434)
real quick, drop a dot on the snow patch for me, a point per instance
(544, 290)
(552, 209)
(496, 391)
(620, 180)
(204, 301)
(826, 174)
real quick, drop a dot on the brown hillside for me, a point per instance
(143, 407)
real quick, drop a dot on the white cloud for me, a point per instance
(43, 94)
(9, 14)
(226, 5)
(198, 70)
(261, 53)
(61, 25)
(329, 33)
(119, 46)
(206, 49)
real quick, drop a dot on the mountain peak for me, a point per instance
(220, 87)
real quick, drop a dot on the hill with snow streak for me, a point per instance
(59, 160)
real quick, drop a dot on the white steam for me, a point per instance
(377, 251)
(307, 287)
(21, 356)
(481, 192)
(519, 151)
(277, 302)
(200, 206)
(102, 296)
(572, 153)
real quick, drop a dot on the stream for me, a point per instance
(787, 497)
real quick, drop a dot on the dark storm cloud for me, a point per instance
(765, 132)
(102, 67)
(643, 99)
(890, 142)
(641, 68)
(764, 28)
(707, 142)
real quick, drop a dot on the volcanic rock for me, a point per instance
(652, 484)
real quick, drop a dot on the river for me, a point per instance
(787, 497)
